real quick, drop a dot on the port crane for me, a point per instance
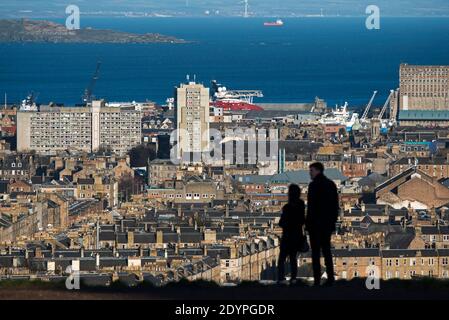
(29, 104)
(88, 92)
(384, 108)
(368, 107)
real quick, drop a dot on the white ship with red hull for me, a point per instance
(234, 100)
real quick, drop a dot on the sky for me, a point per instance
(281, 8)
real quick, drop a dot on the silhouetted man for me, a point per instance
(322, 213)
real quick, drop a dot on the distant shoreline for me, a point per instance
(43, 31)
(109, 16)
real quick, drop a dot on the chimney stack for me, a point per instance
(130, 238)
(37, 253)
(97, 261)
(141, 251)
(159, 236)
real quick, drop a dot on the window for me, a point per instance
(444, 261)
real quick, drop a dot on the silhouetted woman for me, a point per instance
(291, 222)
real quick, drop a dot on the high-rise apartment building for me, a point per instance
(52, 129)
(192, 118)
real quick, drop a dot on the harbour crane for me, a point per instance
(384, 108)
(29, 104)
(88, 92)
(368, 107)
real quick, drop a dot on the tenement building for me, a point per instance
(52, 129)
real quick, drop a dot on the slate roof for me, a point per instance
(364, 252)
(399, 240)
(301, 177)
(399, 253)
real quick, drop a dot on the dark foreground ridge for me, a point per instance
(200, 290)
(46, 31)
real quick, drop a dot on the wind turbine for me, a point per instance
(246, 13)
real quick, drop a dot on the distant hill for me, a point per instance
(258, 8)
(46, 31)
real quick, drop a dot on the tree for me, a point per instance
(140, 155)
(128, 186)
(125, 187)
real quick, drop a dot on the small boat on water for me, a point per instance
(277, 23)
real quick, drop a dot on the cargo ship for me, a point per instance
(277, 23)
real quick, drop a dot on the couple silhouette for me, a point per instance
(322, 213)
